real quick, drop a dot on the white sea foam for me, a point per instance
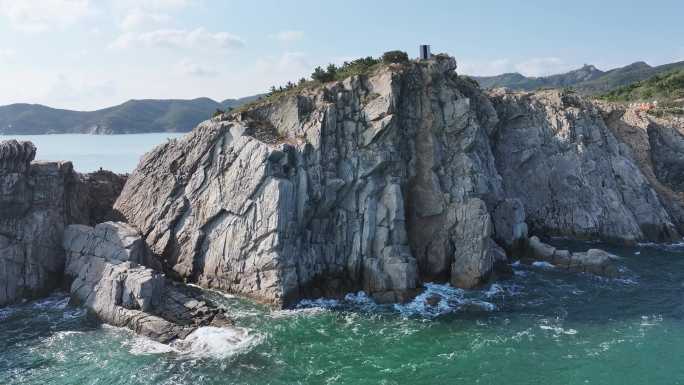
(205, 342)
(441, 299)
(218, 343)
(60, 336)
(285, 313)
(51, 303)
(143, 346)
(321, 303)
(557, 330)
(436, 300)
(6, 312)
(360, 300)
(543, 265)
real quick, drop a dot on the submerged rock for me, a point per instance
(594, 261)
(105, 264)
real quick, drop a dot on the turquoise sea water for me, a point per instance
(543, 326)
(118, 153)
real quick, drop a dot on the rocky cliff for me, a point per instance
(657, 146)
(573, 176)
(382, 181)
(37, 201)
(373, 183)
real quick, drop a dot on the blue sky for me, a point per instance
(88, 54)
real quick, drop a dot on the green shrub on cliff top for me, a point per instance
(662, 87)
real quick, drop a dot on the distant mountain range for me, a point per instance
(142, 116)
(587, 80)
(131, 117)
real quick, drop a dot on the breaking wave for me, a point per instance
(205, 342)
(441, 299)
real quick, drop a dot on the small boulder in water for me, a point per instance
(593, 261)
(433, 300)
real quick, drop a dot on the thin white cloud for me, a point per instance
(539, 66)
(543, 66)
(288, 36)
(485, 68)
(180, 38)
(163, 4)
(288, 62)
(6, 54)
(67, 91)
(138, 18)
(44, 15)
(188, 67)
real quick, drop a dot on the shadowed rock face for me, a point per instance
(35, 205)
(657, 146)
(37, 201)
(574, 178)
(380, 182)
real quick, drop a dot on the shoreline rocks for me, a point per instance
(37, 200)
(593, 261)
(108, 278)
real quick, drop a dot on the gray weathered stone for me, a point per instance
(37, 200)
(364, 184)
(594, 261)
(657, 146)
(378, 182)
(104, 264)
(556, 155)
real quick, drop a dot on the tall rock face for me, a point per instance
(573, 176)
(657, 146)
(380, 182)
(373, 183)
(37, 201)
(35, 205)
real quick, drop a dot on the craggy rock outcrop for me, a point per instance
(103, 188)
(373, 183)
(109, 279)
(556, 155)
(37, 200)
(594, 261)
(657, 145)
(382, 181)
